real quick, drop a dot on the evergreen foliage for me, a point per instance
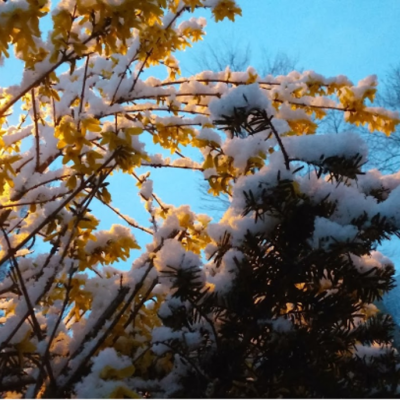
(297, 319)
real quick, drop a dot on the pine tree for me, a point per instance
(285, 309)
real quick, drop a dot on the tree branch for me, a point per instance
(37, 138)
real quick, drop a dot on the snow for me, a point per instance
(173, 255)
(221, 277)
(92, 386)
(109, 358)
(209, 172)
(164, 335)
(279, 324)
(147, 189)
(192, 23)
(328, 232)
(209, 135)
(312, 148)
(241, 150)
(247, 97)
(102, 237)
(390, 208)
(368, 353)
(367, 262)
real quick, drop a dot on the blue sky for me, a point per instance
(354, 38)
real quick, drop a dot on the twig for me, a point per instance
(23, 192)
(155, 165)
(49, 160)
(53, 104)
(27, 203)
(277, 137)
(156, 108)
(167, 95)
(82, 98)
(134, 312)
(227, 81)
(37, 138)
(133, 225)
(153, 195)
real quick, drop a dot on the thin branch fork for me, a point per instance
(153, 195)
(113, 100)
(108, 331)
(130, 223)
(6, 106)
(68, 288)
(176, 16)
(142, 66)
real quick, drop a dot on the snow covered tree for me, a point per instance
(284, 306)
(74, 325)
